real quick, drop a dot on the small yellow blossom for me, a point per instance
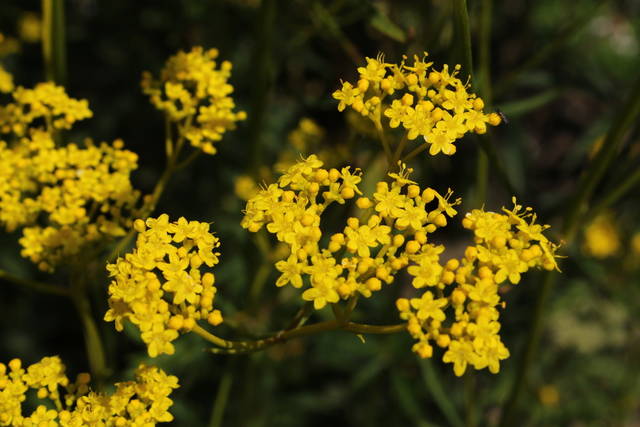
(193, 90)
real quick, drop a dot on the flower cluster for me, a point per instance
(372, 247)
(433, 104)
(160, 287)
(64, 197)
(391, 233)
(195, 93)
(144, 401)
(46, 103)
(507, 245)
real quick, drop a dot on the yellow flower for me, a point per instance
(46, 104)
(460, 353)
(83, 195)
(193, 90)
(601, 237)
(143, 401)
(429, 103)
(159, 287)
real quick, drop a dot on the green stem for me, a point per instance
(259, 280)
(530, 350)
(484, 89)
(222, 397)
(415, 152)
(614, 139)
(241, 347)
(463, 35)
(53, 41)
(385, 144)
(440, 396)
(482, 178)
(615, 195)
(463, 43)
(324, 19)
(34, 285)
(93, 343)
(470, 399)
(400, 148)
(262, 76)
(484, 52)
(161, 184)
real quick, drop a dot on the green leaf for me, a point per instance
(381, 22)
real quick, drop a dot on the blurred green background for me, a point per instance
(560, 72)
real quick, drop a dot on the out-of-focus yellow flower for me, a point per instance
(245, 187)
(6, 81)
(307, 133)
(8, 45)
(635, 243)
(548, 395)
(30, 27)
(601, 237)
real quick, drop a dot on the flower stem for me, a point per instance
(470, 399)
(415, 152)
(222, 397)
(34, 285)
(385, 144)
(262, 75)
(93, 343)
(615, 195)
(53, 41)
(614, 139)
(241, 347)
(439, 395)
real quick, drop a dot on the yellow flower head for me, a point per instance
(46, 104)
(506, 246)
(144, 401)
(435, 105)
(389, 232)
(194, 92)
(160, 286)
(65, 197)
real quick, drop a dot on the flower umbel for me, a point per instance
(144, 401)
(435, 105)
(160, 287)
(194, 92)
